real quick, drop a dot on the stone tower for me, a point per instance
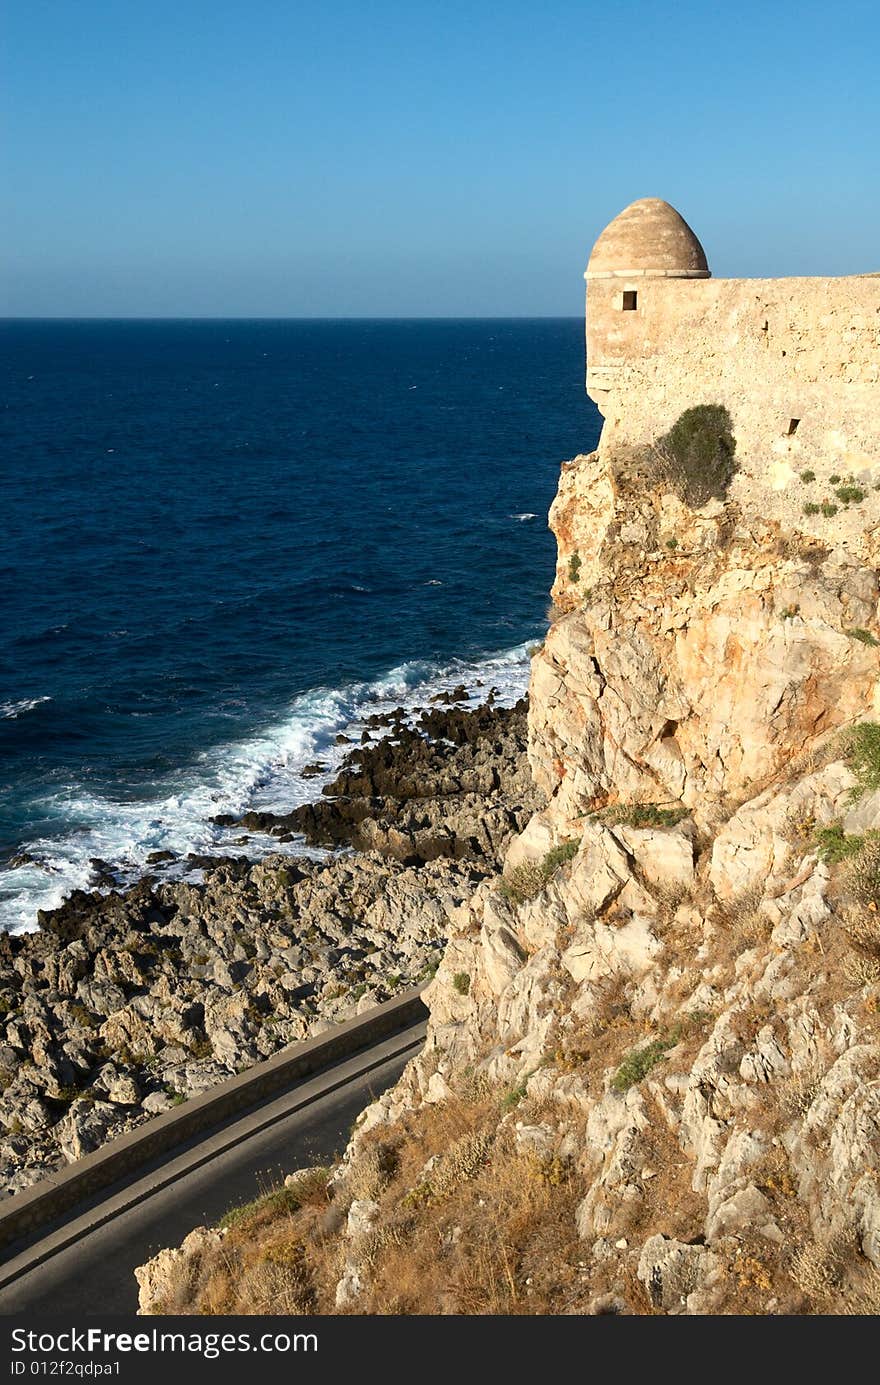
(795, 361)
(648, 241)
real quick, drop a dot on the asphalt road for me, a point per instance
(95, 1273)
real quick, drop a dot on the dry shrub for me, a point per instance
(863, 1299)
(504, 1241)
(816, 755)
(275, 1279)
(371, 1171)
(860, 971)
(752, 928)
(773, 1174)
(817, 1270)
(591, 1042)
(860, 878)
(453, 1167)
(742, 924)
(862, 928)
(524, 882)
(835, 1278)
(797, 1094)
(528, 879)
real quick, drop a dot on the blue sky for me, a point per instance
(297, 158)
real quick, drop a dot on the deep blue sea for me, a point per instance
(224, 542)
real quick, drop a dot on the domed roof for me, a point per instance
(648, 238)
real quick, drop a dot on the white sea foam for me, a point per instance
(527, 514)
(263, 771)
(11, 710)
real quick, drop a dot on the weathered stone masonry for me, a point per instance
(795, 361)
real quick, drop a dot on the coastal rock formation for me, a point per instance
(688, 673)
(456, 784)
(652, 1076)
(123, 1005)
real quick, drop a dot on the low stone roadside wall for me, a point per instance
(50, 1198)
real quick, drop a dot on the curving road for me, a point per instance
(86, 1264)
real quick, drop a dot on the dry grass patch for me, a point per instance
(466, 1224)
(372, 1169)
(669, 1206)
(859, 876)
(502, 1240)
(836, 1279)
(740, 924)
(797, 1094)
(862, 1299)
(860, 971)
(862, 928)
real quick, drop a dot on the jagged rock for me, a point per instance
(228, 1024)
(664, 858)
(102, 997)
(599, 871)
(614, 1154)
(835, 1150)
(684, 676)
(121, 1087)
(671, 1271)
(602, 950)
(361, 1218)
(746, 1210)
(753, 850)
(349, 1288)
(502, 954)
(156, 1279)
(84, 1127)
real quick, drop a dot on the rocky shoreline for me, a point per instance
(124, 1004)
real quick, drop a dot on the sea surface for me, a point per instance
(225, 542)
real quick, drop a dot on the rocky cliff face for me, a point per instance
(652, 1076)
(697, 652)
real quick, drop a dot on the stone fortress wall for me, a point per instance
(795, 361)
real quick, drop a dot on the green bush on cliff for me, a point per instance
(833, 844)
(639, 1061)
(558, 855)
(528, 879)
(695, 459)
(851, 495)
(863, 756)
(642, 815)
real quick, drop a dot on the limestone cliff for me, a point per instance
(696, 652)
(652, 1076)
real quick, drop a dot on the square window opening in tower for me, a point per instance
(630, 300)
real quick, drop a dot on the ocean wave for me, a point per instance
(11, 710)
(527, 514)
(263, 771)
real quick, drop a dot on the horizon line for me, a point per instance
(246, 317)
